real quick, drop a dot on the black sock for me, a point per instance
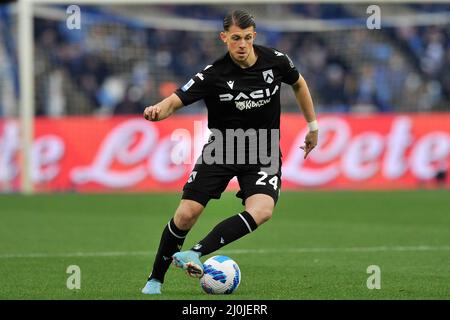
(172, 240)
(226, 232)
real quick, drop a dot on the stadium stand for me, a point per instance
(116, 65)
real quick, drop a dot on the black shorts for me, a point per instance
(208, 181)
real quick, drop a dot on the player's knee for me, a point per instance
(185, 219)
(260, 207)
(187, 214)
(261, 215)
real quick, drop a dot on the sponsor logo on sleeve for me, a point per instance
(187, 85)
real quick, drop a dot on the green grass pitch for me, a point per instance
(318, 245)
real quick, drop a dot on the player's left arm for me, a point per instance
(304, 99)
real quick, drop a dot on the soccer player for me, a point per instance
(241, 91)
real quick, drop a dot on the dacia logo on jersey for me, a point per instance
(268, 76)
(257, 94)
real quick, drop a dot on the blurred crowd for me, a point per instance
(119, 68)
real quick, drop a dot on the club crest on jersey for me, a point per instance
(268, 76)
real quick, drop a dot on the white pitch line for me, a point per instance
(350, 249)
(233, 251)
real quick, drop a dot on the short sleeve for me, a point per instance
(197, 88)
(289, 72)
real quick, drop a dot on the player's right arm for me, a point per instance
(195, 89)
(163, 109)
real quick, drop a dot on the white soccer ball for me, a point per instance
(221, 275)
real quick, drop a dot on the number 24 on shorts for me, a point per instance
(273, 181)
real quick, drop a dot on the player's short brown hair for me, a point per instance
(240, 18)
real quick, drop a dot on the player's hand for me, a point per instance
(151, 113)
(310, 142)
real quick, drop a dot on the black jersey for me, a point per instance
(242, 98)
